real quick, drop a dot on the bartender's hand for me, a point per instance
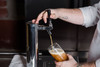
(69, 63)
(43, 15)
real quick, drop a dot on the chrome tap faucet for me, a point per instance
(32, 40)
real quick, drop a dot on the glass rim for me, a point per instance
(54, 44)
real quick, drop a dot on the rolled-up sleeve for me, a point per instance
(90, 15)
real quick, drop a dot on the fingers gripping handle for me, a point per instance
(49, 27)
(49, 21)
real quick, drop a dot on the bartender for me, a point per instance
(85, 16)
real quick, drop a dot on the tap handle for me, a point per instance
(49, 19)
(49, 13)
(49, 25)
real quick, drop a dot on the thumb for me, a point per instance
(70, 56)
(33, 21)
(58, 63)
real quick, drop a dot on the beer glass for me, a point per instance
(57, 52)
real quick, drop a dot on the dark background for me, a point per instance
(70, 37)
(15, 13)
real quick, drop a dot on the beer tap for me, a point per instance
(32, 39)
(47, 28)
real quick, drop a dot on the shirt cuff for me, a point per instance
(97, 63)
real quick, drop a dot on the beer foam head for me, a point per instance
(56, 51)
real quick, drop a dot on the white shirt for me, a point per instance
(92, 17)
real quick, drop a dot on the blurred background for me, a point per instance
(15, 13)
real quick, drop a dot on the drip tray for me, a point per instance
(46, 60)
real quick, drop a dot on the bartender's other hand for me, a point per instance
(43, 15)
(69, 63)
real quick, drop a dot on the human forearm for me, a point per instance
(74, 16)
(71, 15)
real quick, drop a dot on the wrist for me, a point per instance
(59, 12)
(54, 13)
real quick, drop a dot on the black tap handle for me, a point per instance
(49, 21)
(49, 13)
(49, 25)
